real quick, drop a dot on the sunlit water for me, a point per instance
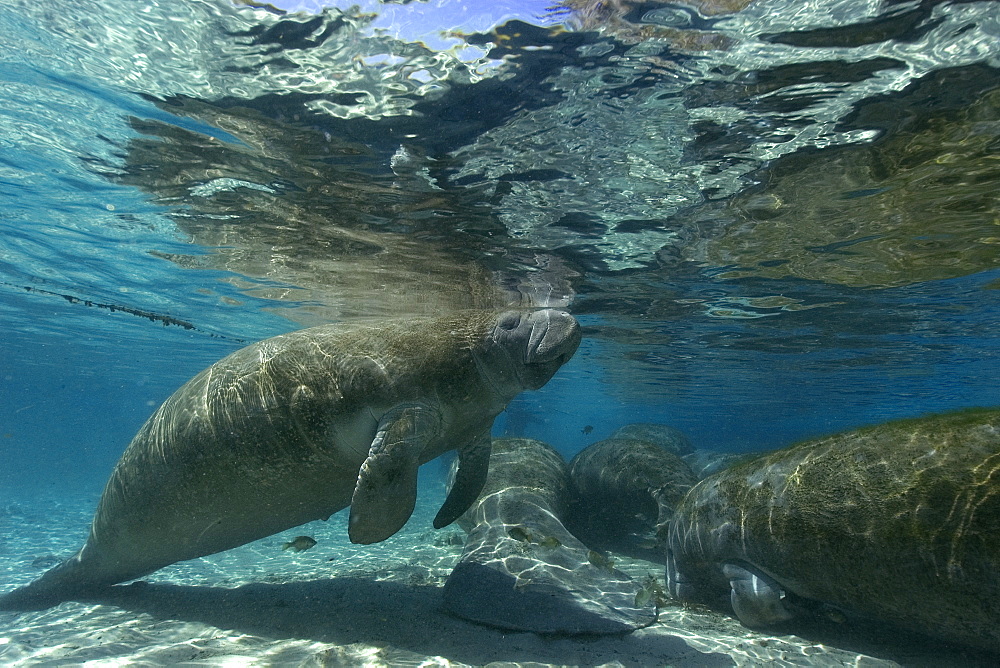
(774, 219)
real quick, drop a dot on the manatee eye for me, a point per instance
(509, 321)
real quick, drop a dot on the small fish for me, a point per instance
(649, 543)
(835, 615)
(550, 542)
(642, 597)
(520, 534)
(300, 544)
(589, 428)
(48, 561)
(600, 560)
(655, 592)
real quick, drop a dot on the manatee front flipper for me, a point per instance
(386, 490)
(473, 465)
(757, 600)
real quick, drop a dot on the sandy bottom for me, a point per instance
(339, 604)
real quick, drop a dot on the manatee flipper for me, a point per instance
(473, 465)
(386, 491)
(757, 600)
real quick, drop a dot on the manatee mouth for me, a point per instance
(557, 362)
(555, 336)
(537, 374)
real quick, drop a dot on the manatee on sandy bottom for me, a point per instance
(296, 427)
(522, 570)
(622, 495)
(896, 523)
(704, 463)
(669, 438)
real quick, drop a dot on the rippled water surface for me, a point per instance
(774, 218)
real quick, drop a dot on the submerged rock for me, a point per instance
(521, 568)
(622, 495)
(896, 523)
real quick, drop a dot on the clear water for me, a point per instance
(775, 219)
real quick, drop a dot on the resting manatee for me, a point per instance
(622, 495)
(704, 463)
(522, 570)
(296, 427)
(669, 438)
(898, 523)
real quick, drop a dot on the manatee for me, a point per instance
(521, 569)
(296, 427)
(665, 436)
(622, 495)
(706, 462)
(897, 523)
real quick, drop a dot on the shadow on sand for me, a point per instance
(349, 610)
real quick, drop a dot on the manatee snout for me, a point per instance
(542, 341)
(555, 336)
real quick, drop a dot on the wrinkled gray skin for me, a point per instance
(708, 462)
(622, 495)
(897, 523)
(514, 575)
(702, 462)
(669, 438)
(296, 427)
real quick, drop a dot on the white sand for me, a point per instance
(339, 605)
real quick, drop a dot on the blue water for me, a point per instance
(672, 339)
(774, 220)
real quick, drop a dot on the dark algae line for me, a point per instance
(116, 308)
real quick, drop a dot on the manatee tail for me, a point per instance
(62, 583)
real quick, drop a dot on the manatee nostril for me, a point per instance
(509, 321)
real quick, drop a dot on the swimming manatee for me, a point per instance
(897, 523)
(522, 570)
(296, 427)
(622, 495)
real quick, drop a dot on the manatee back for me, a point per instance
(521, 569)
(897, 522)
(665, 436)
(621, 490)
(523, 473)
